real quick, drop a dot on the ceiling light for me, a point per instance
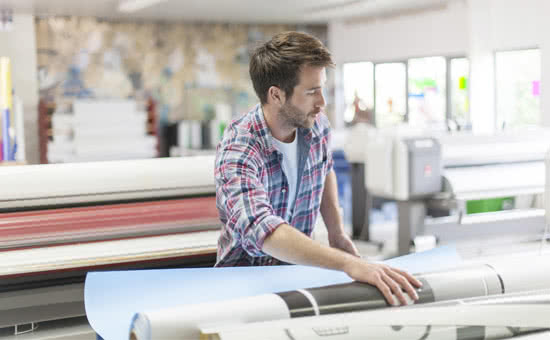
(136, 5)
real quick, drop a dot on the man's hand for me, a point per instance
(387, 279)
(343, 242)
(290, 245)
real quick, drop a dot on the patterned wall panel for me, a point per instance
(187, 67)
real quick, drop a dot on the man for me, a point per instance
(274, 173)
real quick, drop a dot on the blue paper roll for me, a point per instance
(6, 145)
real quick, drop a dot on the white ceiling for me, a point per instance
(246, 11)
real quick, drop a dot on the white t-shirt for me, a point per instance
(290, 168)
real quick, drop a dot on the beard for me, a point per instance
(293, 117)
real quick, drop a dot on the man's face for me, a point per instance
(307, 101)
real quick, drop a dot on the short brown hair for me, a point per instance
(278, 61)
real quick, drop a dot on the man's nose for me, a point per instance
(321, 102)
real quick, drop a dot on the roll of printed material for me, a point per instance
(196, 135)
(184, 135)
(19, 129)
(427, 332)
(163, 324)
(6, 107)
(497, 317)
(547, 190)
(55, 184)
(507, 275)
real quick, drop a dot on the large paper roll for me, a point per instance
(185, 323)
(497, 317)
(6, 106)
(495, 278)
(547, 197)
(54, 184)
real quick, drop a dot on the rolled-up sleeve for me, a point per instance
(241, 198)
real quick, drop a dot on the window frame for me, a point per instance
(448, 93)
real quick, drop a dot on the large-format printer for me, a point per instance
(59, 221)
(456, 177)
(494, 298)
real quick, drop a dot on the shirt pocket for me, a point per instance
(319, 165)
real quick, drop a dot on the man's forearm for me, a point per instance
(330, 208)
(290, 245)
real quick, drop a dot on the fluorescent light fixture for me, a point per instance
(136, 5)
(371, 8)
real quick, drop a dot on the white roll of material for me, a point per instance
(547, 190)
(49, 184)
(506, 275)
(184, 323)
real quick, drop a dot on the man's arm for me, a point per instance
(241, 198)
(330, 210)
(290, 245)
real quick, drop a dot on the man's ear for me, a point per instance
(275, 96)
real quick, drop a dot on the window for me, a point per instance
(459, 105)
(427, 91)
(517, 88)
(358, 91)
(391, 91)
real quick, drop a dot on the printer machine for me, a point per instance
(59, 221)
(427, 173)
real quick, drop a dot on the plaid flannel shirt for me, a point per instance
(252, 189)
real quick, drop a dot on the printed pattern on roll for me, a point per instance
(343, 298)
(298, 304)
